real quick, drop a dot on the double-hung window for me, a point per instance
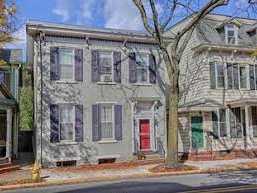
(67, 122)
(67, 63)
(142, 68)
(107, 125)
(106, 66)
(254, 120)
(219, 123)
(253, 77)
(216, 75)
(236, 76)
(231, 34)
(236, 125)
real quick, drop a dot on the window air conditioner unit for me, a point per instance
(106, 78)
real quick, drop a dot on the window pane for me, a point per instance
(142, 75)
(66, 60)
(254, 121)
(212, 75)
(66, 57)
(105, 62)
(66, 122)
(107, 131)
(230, 76)
(232, 124)
(66, 131)
(66, 72)
(223, 128)
(106, 113)
(242, 77)
(107, 121)
(142, 67)
(67, 114)
(235, 76)
(238, 122)
(215, 125)
(220, 73)
(251, 76)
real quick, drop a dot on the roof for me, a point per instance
(210, 30)
(11, 55)
(34, 27)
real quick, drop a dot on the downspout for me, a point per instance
(41, 39)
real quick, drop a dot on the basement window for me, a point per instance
(106, 160)
(66, 163)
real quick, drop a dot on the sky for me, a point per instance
(91, 13)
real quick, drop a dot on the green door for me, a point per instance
(197, 132)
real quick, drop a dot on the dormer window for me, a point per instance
(231, 34)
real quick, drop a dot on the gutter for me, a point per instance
(205, 46)
(49, 30)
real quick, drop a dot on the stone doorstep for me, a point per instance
(4, 168)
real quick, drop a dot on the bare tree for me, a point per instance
(7, 21)
(172, 48)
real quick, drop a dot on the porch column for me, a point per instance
(247, 125)
(9, 134)
(133, 127)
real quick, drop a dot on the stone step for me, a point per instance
(8, 168)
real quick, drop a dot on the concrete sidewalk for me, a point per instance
(98, 173)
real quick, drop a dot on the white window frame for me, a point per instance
(255, 76)
(217, 111)
(147, 71)
(112, 74)
(113, 121)
(74, 122)
(246, 76)
(239, 78)
(73, 63)
(229, 27)
(216, 74)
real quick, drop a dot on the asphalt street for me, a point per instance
(241, 181)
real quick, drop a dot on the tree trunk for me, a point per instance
(172, 129)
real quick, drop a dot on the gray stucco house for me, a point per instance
(10, 67)
(102, 98)
(97, 94)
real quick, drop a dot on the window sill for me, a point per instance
(106, 83)
(67, 82)
(142, 84)
(107, 141)
(68, 143)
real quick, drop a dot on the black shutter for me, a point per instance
(152, 69)
(79, 123)
(95, 76)
(54, 123)
(117, 66)
(79, 64)
(118, 122)
(54, 64)
(132, 68)
(96, 125)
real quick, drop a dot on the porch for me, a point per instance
(7, 134)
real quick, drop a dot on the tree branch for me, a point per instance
(142, 11)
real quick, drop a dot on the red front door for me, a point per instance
(144, 128)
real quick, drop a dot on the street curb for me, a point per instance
(114, 178)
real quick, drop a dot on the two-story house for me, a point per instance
(10, 64)
(218, 107)
(97, 94)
